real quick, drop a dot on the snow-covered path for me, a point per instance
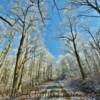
(55, 90)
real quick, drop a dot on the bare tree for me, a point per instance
(88, 4)
(34, 54)
(72, 39)
(49, 72)
(25, 20)
(5, 51)
(95, 43)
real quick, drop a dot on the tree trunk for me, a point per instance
(78, 61)
(18, 67)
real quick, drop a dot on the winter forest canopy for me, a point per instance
(48, 41)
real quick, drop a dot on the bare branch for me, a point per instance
(6, 21)
(39, 8)
(89, 16)
(56, 7)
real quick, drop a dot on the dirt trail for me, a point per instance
(51, 90)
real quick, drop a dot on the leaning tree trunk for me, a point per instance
(3, 57)
(18, 67)
(25, 58)
(78, 61)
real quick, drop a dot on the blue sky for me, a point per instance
(53, 44)
(52, 28)
(50, 40)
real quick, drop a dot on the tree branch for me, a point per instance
(6, 21)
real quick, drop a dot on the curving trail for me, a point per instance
(53, 90)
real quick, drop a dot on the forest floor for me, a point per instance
(61, 90)
(58, 90)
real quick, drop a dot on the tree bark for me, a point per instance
(18, 67)
(78, 61)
